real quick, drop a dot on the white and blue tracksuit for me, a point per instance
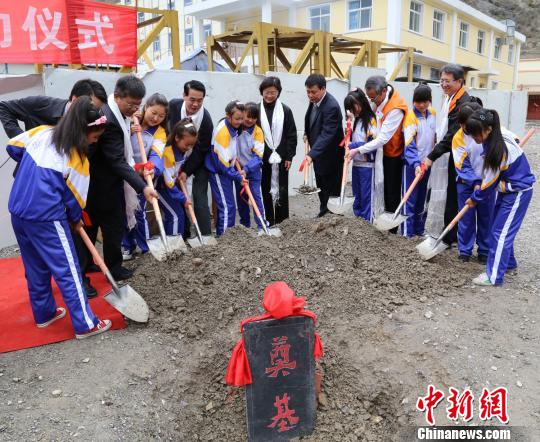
(154, 139)
(49, 192)
(419, 133)
(171, 198)
(220, 163)
(250, 155)
(363, 172)
(476, 223)
(514, 182)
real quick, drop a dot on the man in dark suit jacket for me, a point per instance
(192, 105)
(324, 131)
(108, 171)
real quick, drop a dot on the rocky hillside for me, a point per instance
(526, 14)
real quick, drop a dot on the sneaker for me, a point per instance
(60, 313)
(464, 258)
(101, 327)
(89, 290)
(482, 279)
(127, 255)
(482, 259)
(121, 273)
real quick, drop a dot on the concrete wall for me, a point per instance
(223, 87)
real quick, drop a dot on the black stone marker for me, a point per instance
(280, 403)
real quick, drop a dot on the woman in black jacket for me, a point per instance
(280, 140)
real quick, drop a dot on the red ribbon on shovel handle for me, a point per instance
(302, 165)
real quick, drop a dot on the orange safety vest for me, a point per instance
(394, 147)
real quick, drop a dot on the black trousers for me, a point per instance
(199, 191)
(330, 186)
(451, 206)
(393, 170)
(281, 211)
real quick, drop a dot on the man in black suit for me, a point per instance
(110, 202)
(191, 106)
(40, 110)
(324, 131)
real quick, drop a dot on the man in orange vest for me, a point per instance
(390, 109)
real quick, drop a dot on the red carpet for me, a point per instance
(17, 327)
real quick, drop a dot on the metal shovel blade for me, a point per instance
(272, 231)
(128, 302)
(307, 190)
(387, 221)
(429, 248)
(206, 241)
(335, 206)
(158, 249)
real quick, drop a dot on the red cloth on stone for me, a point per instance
(279, 301)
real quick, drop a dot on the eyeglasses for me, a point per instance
(270, 93)
(132, 106)
(374, 99)
(446, 82)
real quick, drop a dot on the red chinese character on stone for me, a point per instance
(494, 404)
(279, 358)
(284, 418)
(460, 405)
(429, 403)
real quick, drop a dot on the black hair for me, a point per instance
(180, 129)
(357, 96)
(70, 133)
(466, 110)
(484, 119)
(422, 93)
(455, 70)
(130, 86)
(233, 106)
(252, 110)
(195, 85)
(88, 87)
(377, 83)
(316, 80)
(270, 82)
(157, 99)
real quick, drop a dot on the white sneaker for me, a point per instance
(482, 279)
(127, 255)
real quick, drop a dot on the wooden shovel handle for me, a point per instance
(306, 166)
(189, 207)
(456, 219)
(95, 254)
(250, 195)
(417, 178)
(526, 137)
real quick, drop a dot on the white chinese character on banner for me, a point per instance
(6, 31)
(29, 25)
(95, 30)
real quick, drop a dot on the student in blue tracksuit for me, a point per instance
(220, 162)
(419, 130)
(152, 129)
(172, 200)
(48, 194)
(506, 170)
(468, 156)
(250, 156)
(363, 170)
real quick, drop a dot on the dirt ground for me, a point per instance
(390, 323)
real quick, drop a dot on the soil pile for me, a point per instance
(344, 268)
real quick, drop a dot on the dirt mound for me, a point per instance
(342, 266)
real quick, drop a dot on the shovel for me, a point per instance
(306, 188)
(200, 240)
(272, 231)
(342, 204)
(388, 220)
(159, 247)
(124, 299)
(431, 246)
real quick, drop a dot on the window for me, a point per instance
(128, 2)
(188, 2)
(480, 45)
(207, 30)
(140, 17)
(360, 14)
(157, 45)
(511, 54)
(319, 18)
(438, 25)
(494, 85)
(416, 70)
(188, 37)
(497, 49)
(473, 81)
(415, 17)
(463, 35)
(171, 4)
(434, 74)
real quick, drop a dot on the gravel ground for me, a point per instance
(391, 326)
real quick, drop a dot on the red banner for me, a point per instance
(67, 32)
